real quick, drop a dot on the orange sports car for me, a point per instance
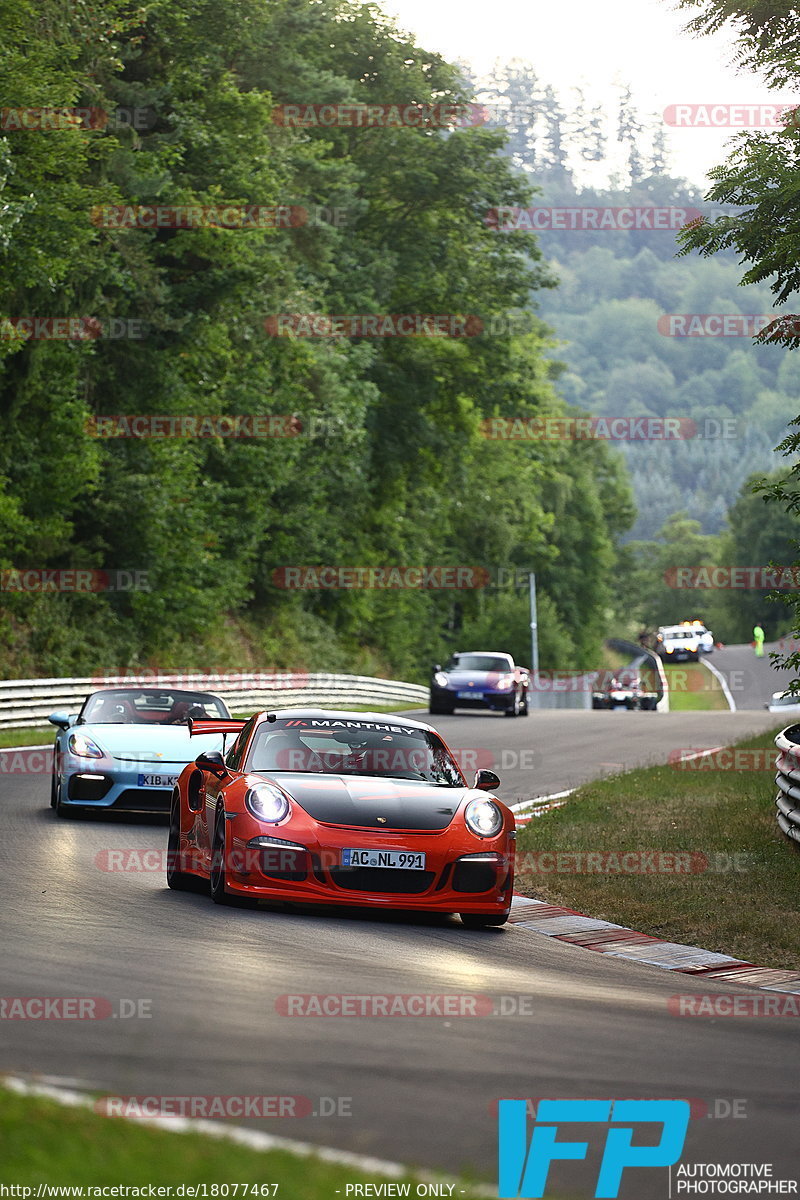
(350, 808)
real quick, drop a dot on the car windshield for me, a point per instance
(149, 706)
(478, 662)
(336, 746)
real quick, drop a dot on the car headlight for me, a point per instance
(504, 683)
(483, 818)
(84, 747)
(440, 679)
(267, 803)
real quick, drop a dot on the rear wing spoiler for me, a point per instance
(217, 725)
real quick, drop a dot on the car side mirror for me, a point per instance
(437, 666)
(61, 719)
(212, 761)
(486, 781)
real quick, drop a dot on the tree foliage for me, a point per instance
(390, 467)
(761, 175)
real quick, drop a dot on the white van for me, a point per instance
(677, 643)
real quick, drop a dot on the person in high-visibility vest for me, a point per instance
(758, 641)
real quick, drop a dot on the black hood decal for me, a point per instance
(371, 803)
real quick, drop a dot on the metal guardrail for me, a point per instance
(27, 703)
(787, 800)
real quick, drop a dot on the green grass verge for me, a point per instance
(27, 737)
(692, 688)
(44, 1142)
(750, 911)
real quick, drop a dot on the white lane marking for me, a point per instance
(663, 703)
(16, 749)
(521, 805)
(254, 1139)
(701, 753)
(726, 691)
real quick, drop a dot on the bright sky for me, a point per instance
(597, 43)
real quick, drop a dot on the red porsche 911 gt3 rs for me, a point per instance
(346, 808)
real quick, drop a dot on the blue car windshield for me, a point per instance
(149, 706)
(478, 662)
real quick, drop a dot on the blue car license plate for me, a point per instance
(470, 695)
(157, 781)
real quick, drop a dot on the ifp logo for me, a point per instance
(523, 1169)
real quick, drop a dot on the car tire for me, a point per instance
(524, 709)
(62, 810)
(437, 709)
(218, 874)
(484, 920)
(514, 708)
(53, 779)
(178, 880)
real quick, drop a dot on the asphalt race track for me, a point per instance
(753, 680)
(550, 751)
(420, 1089)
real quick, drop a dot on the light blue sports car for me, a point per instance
(126, 748)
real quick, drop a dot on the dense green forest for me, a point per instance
(614, 285)
(610, 313)
(388, 468)
(376, 457)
